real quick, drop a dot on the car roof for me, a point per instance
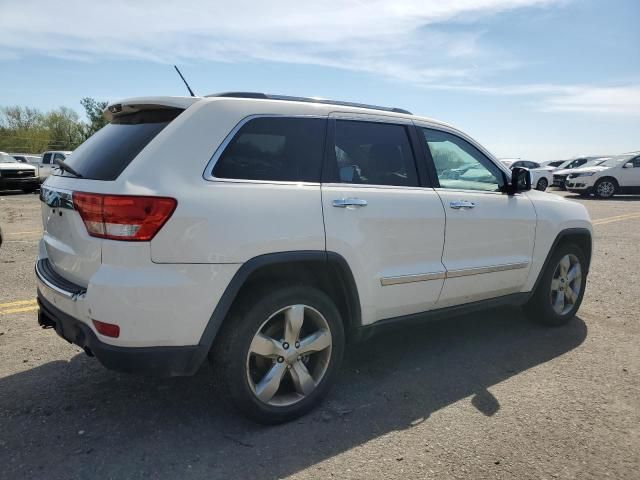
(131, 105)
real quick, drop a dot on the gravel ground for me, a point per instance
(483, 396)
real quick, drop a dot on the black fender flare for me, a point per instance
(559, 238)
(249, 267)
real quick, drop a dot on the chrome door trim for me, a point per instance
(420, 277)
(463, 272)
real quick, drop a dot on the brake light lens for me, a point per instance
(123, 217)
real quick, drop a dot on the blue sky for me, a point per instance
(539, 79)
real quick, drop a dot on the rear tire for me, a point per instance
(542, 184)
(259, 342)
(561, 288)
(605, 188)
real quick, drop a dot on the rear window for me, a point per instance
(108, 152)
(275, 149)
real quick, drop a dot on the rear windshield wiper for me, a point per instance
(66, 168)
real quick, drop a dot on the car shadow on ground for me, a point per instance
(76, 419)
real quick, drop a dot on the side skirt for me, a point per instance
(514, 300)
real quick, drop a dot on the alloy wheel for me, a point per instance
(606, 189)
(289, 355)
(566, 284)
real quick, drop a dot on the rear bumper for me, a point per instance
(157, 361)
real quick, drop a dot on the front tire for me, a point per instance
(279, 352)
(561, 288)
(542, 184)
(605, 188)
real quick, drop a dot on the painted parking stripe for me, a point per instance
(32, 308)
(33, 301)
(618, 218)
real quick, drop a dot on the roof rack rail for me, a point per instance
(324, 101)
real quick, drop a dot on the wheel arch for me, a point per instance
(580, 236)
(327, 271)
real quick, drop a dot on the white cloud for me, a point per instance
(397, 39)
(388, 37)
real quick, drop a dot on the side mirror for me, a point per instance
(520, 181)
(628, 165)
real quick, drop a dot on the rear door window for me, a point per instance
(112, 148)
(46, 159)
(373, 153)
(286, 149)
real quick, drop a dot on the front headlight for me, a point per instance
(583, 174)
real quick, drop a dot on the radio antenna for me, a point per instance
(185, 82)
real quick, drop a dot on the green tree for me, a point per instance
(22, 129)
(93, 110)
(66, 131)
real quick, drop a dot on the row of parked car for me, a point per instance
(27, 172)
(601, 176)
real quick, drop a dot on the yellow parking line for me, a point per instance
(24, 233)
(18, 302)
(618, 218)
(18, 310)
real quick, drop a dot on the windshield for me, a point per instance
(593, 163)
(4, 158)
(612, 162)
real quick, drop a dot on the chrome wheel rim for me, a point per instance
(289, 355)
(566, 284)
(605, 189)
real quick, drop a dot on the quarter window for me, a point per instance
(460, 165)
(275, 149)
(372, 153)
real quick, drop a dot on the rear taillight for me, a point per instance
(121, 217)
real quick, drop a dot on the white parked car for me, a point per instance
(15, 175)
(48, 161)
(618, 174)
(562, 171)
(269, 232)
(541, 177)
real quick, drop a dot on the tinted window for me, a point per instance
(374, 153)
(273, 148)
(108, 152)
(46, 159)
(58, 156)
(460, 165)
(636, 162)
(519, 163)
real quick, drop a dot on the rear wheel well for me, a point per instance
(328, 276)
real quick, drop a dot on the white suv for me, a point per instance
(619, 174)
(268, 232)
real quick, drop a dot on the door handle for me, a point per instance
(349, 202)
(462, 204)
